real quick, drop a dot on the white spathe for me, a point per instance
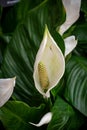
(72, 8)
(44, 120)
(70, 44)
(6, 89)
(50, 55)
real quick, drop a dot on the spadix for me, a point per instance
(49, 65)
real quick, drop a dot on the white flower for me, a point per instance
(49, 65)
(72, 8)
(44, 120)
(70, 44)
(6, 89)
(72, 14)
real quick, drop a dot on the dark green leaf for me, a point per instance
(84, 6)
(64, 117)
(80, 32)
(58, 90)
(2, 49)
(13, 15)
(16, 115)
(59, 40)
(76, 83)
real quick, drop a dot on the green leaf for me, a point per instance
(58, 90)
(16, 115)
(80, 33)
(21, 52)
(60, 13)
(76, 83)
(84, 6)
(64, 117)
(59, 40)
(2, 49)
(13, 15)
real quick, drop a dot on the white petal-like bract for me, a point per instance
(44, 120)
(70, 44)
(49, 65)
(72, 8)
(6, 89)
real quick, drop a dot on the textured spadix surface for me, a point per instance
(49, 65)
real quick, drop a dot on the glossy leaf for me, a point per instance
(13, 15)
(76, 83)
(80, 32)
(58, 39)
(64, 117)
(16, 115)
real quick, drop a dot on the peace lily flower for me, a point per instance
(70, 44)
(49, 65)
(72, 8)
(44, 120)
(6, 89)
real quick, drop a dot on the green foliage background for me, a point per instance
(21, 31)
